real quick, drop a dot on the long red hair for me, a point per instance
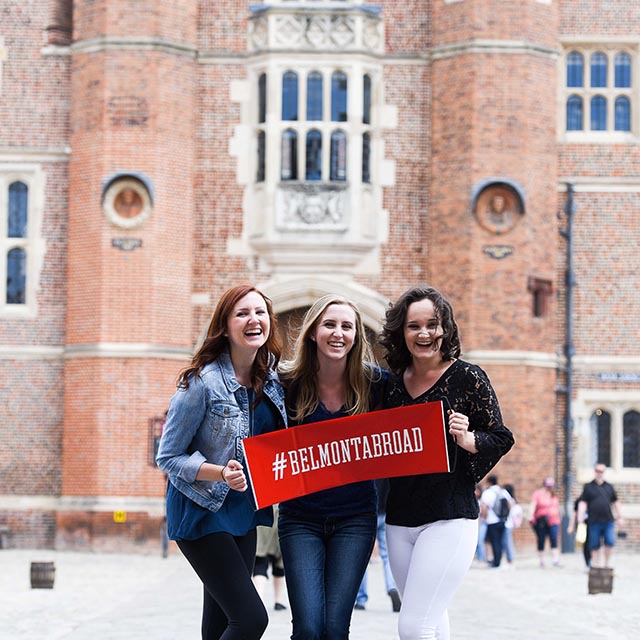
(216, 342)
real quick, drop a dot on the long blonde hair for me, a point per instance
(300, 373)
(216, 341)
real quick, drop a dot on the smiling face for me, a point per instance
(335, 332)
(248, 324)
(423, 331)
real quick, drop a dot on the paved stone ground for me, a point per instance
(136, 597)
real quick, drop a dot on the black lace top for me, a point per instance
(418, 500)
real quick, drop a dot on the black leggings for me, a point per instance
(232, 608)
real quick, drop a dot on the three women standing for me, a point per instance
(229, 392)
(432, 526)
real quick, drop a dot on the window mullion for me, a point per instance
(616, 438)
(326, 150)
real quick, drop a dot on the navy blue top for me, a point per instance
(187, 520)
(347, 500)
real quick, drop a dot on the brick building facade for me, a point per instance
(153, 154)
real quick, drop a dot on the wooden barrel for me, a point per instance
(600, 580)
(42, 575)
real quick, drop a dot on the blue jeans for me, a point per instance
(494, 536)
(389, 582)
(599, 530)
(481, 549)
(324, 561)
(507, 544)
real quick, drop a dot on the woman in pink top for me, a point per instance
(545, 519)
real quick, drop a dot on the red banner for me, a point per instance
(382, 444)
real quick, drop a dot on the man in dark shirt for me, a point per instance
(599, 500)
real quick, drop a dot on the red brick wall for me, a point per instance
(34, 113)
(139, 296)
(462, 119)
(493, 117)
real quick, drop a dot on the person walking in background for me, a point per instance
(514, 521)
(327, 537)
(268, 554)
(600, 500)
(492, 504)
(545, 519)
(382, 488)
(432, 519)
(573, 526)
(229, 391)
(481, 548)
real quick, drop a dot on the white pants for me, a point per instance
(428, 564)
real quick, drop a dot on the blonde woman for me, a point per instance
(327, 537)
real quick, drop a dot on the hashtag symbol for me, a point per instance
(278, 466)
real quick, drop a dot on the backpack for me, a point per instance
(501, 506)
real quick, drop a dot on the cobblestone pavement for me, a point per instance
(135, 597)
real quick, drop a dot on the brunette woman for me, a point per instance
(229, 392)
(432, 520)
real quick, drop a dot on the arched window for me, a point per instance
(598, 113)
(598, 69)
(314, 96)
(338, 159)
(631, 439)
(366, 157)
(339, 97)
(261, 157)
(290, 96)
(314, 155)
(18, 204)
(366, 99)
(574, 113)
(289, 168)
(601, 436)
(262, 97)
(622, 70)
(623, 114)
(16, 276)
(575, 69)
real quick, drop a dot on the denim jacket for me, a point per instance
(206, 423)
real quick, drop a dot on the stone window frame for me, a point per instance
(616, 403)
(305, 225)
(354, 127)
(33, 243)
(616, 434)
(586, 93)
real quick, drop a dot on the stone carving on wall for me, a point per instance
(498, 209)
(316, 31)
(307, 206)
(126, 202)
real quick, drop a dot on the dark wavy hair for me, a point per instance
(216, 342)
(392, 340)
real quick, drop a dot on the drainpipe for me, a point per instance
(568, 541)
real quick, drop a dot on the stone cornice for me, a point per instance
(34, 154)
(492, 46)
(123, 43)
(96, 350)
(133, 504)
